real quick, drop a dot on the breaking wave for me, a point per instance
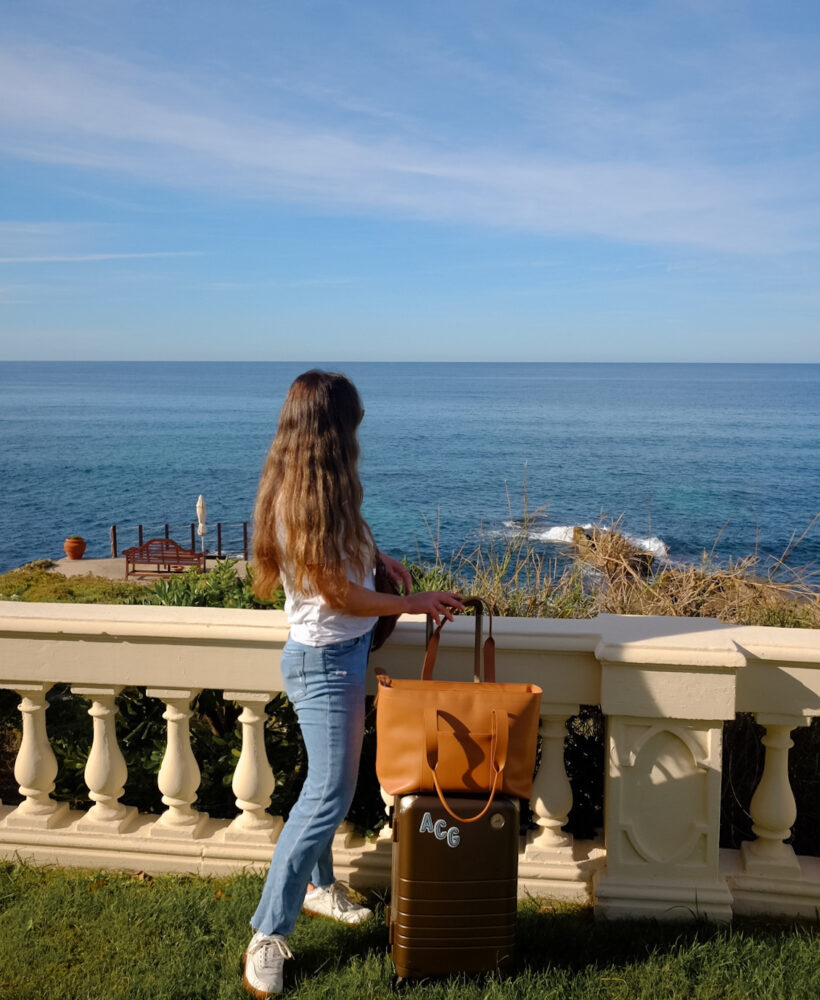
(562, 534)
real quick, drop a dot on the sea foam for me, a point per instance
(562, 534)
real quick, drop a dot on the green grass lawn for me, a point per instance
(69, 935)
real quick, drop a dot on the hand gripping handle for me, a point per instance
(489, 645)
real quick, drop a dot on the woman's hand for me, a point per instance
(436, 603)
(362, 602)
(397, 571)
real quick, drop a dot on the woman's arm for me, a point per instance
(360, 602)
(397, 571)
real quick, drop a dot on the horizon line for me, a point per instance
(362, 361)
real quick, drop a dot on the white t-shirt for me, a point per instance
(313, 623)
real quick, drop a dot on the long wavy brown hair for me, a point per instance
(308, 505)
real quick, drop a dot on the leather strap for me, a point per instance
(499, 746)
(430, 654)
(466, 819)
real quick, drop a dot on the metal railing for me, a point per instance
(232, 540)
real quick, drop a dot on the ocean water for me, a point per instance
(722, 458)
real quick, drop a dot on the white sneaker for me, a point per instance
(263, 965)
(333, 903)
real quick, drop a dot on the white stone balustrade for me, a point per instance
(178, 777)
(253, 780)
(106, 770)
(665, 685)
(36, 766)
(552, 793)
(773, 808)
(561, 867)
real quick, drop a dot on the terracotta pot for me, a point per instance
(74, 547)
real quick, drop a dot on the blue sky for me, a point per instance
(312, 181)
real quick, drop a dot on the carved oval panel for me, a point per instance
(665, 798)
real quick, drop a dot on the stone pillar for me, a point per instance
(253, 780)
(105, 770)
(36, 766)
(665, 698)
(179, 774)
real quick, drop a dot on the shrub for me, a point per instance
(34, 582)
(220, 587)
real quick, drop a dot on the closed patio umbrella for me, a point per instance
(201, 514)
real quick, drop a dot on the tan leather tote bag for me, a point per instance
(456, 737)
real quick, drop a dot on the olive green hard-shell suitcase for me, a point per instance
(454, 886)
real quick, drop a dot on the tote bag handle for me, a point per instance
(489, 645)
(499, 744)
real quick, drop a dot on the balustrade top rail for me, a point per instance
(686, 667)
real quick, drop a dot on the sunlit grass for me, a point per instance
(73, 935)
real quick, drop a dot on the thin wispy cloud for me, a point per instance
(85, 258)
(83, 109)
(324, 281)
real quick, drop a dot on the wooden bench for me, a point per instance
(161, 557)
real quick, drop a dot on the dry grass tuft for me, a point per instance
(515, 579)
(736, 594)
(608, 573)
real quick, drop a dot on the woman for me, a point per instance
(309, 533)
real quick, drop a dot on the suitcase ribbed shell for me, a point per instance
(454, 886)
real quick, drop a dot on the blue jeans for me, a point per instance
(326, 685)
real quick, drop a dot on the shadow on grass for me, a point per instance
(550, 938)
(321, 945)
(571, 939)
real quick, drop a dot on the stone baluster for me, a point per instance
(36, 766)
(253, 780)
(386, 832)
(179, 774)
(551, 792)
(550, 862)
(773, 808)
(105, 770)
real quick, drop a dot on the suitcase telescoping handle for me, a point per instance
(489, 645)
(499, 743)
